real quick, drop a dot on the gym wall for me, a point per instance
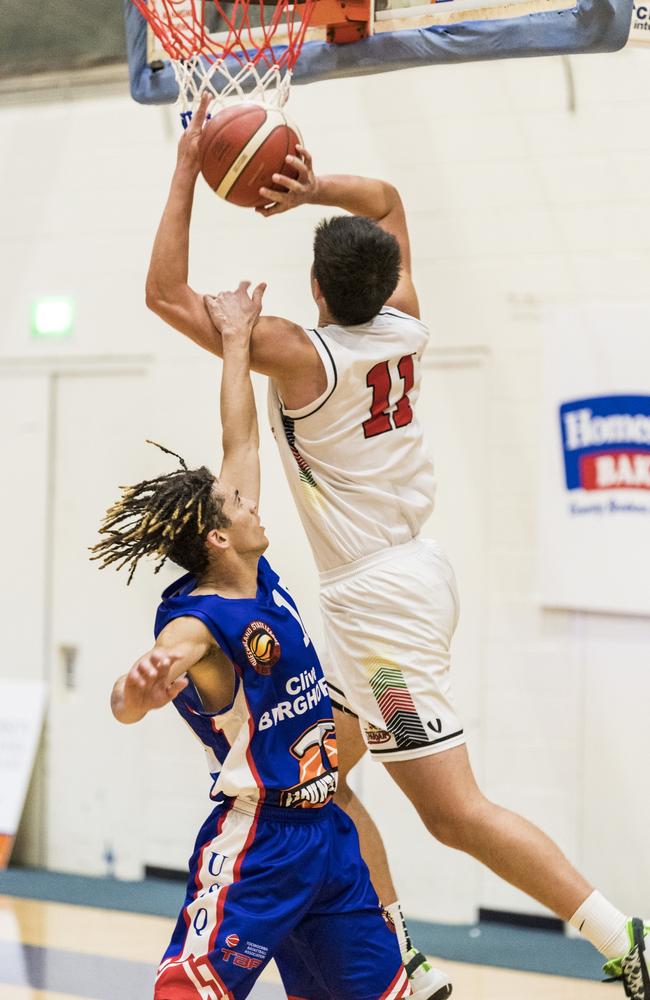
(516, 203)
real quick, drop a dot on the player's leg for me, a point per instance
(242, 899)
(343, 948)
(412, 725)
(427, 982)
(299, 971)
(352, 609)
(442, 788)
(343, 956)
(351, 748)
(409, 722)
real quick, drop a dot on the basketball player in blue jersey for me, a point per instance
(342, 404)
(276, 871)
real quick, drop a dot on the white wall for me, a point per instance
(514, 202)
(24, 482)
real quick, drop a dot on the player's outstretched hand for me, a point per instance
(298, 192)
(147, 686)
(188, 144)
(235, 313)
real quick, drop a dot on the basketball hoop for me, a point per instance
(244, 49)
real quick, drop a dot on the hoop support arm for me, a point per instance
(346, 20)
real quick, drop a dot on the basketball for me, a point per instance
(242, 147)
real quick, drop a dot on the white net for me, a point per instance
(233, 49)
(228, 80)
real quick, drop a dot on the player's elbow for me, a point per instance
(153, 297)
(120, 712)
(160, 293)
(387, 192)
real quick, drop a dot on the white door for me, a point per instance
(23, 516)
(99, 773)
(120, 797)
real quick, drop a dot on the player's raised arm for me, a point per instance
(168, 293)
(279, 348)
(374, 199)
(235, 314)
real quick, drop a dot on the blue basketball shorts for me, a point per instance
(288, 884)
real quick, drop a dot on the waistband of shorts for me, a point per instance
(367, 562)
(279, 814)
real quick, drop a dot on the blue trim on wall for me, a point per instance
(509, 947)
(481, 944)
(153, 896)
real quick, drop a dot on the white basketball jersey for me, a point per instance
(355, 458)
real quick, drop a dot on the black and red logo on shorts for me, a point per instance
(375, 736)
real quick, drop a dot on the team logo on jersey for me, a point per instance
(317, 754)
(606, 443)
(375, 736)
(232, 940)
(261, 646)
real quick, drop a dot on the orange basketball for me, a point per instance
(242, 147)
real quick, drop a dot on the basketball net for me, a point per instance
(248, 57)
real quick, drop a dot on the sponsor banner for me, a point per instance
(22, 704)
(606, 442)
(595, 486)
(640, 29)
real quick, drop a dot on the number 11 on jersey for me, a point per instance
(378, 379)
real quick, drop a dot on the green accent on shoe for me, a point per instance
(614, 967)
(415, 962)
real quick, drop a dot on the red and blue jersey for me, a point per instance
(275, 742)
(271, 875)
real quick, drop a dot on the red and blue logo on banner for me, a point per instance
(606, 442)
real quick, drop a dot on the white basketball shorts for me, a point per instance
(389, 619)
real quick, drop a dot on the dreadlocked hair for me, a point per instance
(169, 517)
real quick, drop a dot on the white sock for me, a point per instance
(603, 926)
(396, 915)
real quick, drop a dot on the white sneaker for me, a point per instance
(426, 982)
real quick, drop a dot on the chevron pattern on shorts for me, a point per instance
(397, 708)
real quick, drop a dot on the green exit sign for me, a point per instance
(53, 316)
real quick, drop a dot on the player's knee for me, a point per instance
(444, 828)
(457, 824)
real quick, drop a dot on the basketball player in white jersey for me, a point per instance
(342, 400)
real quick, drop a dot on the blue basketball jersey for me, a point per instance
(275, 742)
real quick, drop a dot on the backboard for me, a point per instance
(407, 33)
